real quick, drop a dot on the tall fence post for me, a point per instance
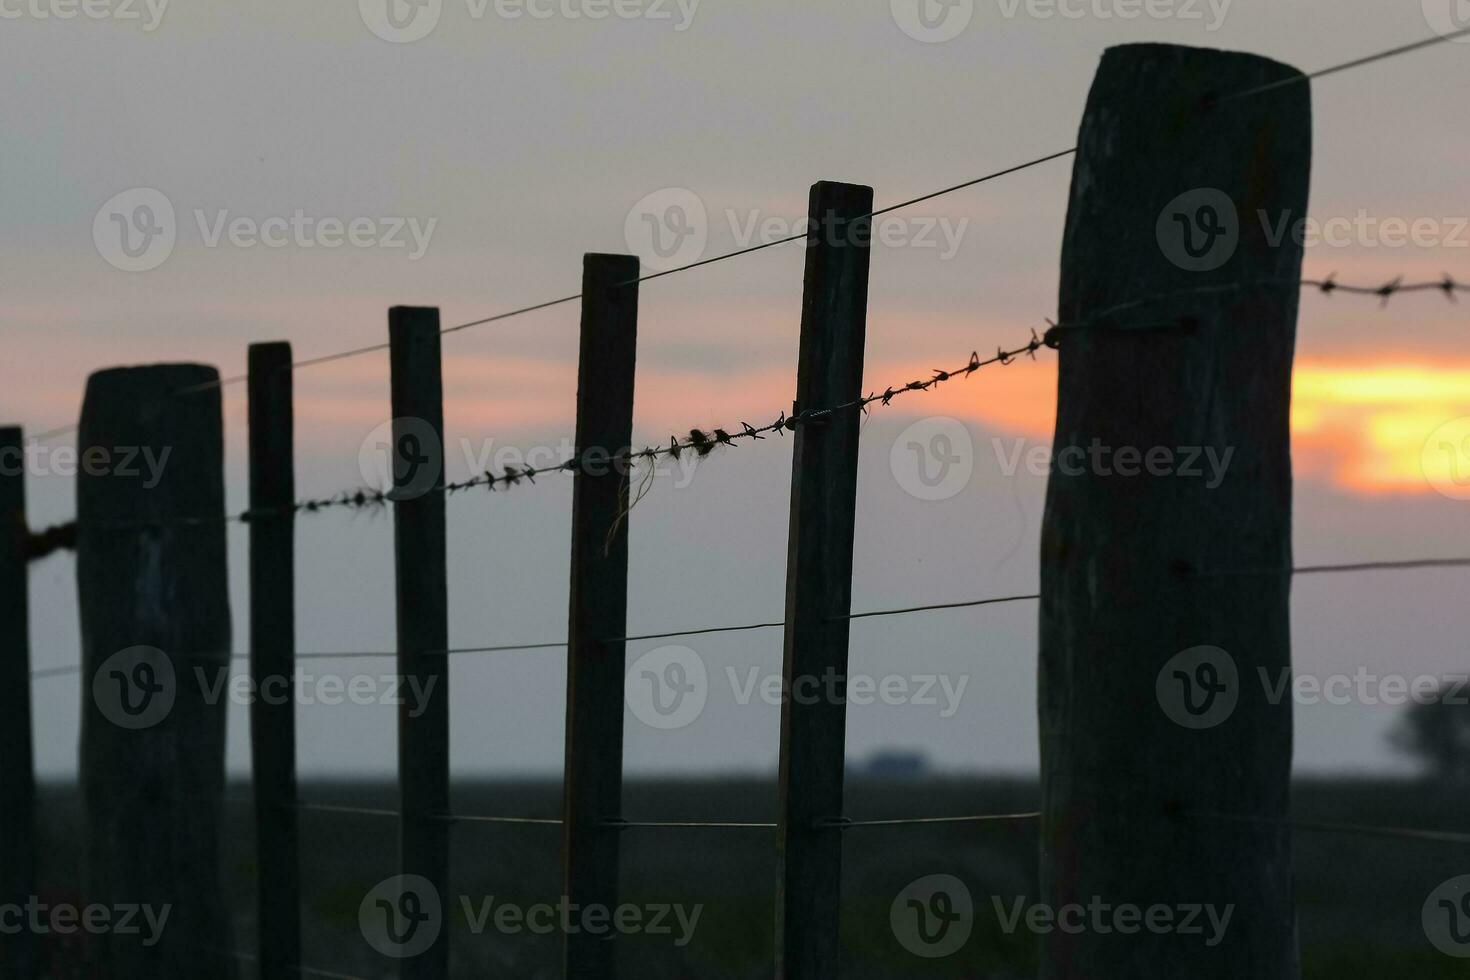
(599, 603)
(273, 657)
(420, 559)
(819, 581)
(1165, 765)
(155, 626)
(17, 759)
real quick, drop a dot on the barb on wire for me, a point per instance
(61, 537)
(1447, 285)
(698, 442)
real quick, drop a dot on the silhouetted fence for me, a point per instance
(1156, 350)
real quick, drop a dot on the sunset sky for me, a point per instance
(527, 143)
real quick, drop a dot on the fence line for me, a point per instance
(818, 590)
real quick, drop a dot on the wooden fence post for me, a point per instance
(421, 560)
(17, 759)
(819, 581)
(1153, 719)
(273, 657)
(593, 791)
(155, 625)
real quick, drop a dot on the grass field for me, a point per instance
(1359, 897)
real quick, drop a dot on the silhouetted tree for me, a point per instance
(1437, 732)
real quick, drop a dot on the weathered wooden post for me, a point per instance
(593, 792)
(421, 568)
(273, 658)
(1171, 464)
(819, 581)
(155, 623)
(17, 759)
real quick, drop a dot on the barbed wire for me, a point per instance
(699, 442)
(702, 442)
(1446, 285)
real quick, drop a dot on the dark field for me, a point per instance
(1359, 896)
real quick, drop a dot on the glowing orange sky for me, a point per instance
(1367, 427)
